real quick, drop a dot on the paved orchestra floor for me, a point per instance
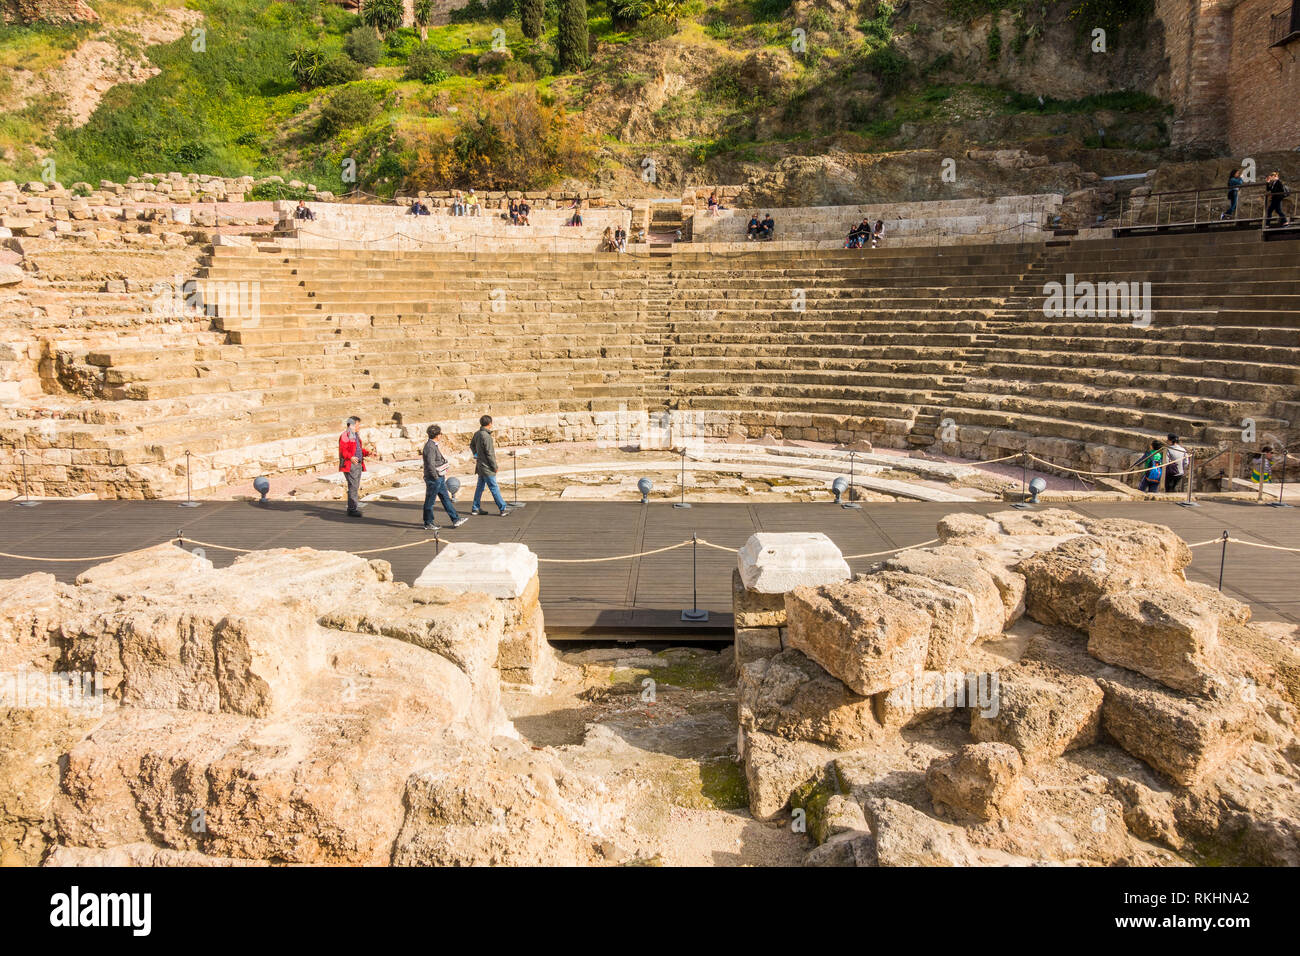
(635, 593)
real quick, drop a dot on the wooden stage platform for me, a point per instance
(631, 595)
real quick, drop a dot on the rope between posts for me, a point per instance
(622, 557)
(1252, 544)
(1095, 474)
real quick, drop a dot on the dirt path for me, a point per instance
(658, 727)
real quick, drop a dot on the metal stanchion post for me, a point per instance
(851, 503)
(1281, 488)
(694, 614)
(436, 541)
(683, 503)
(1223, 557)
(189, 501)
(1191, 502)
(27, 498)
(514, 454)
(1024, 504)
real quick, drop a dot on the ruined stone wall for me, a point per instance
(1263, 82)
(1230, 89)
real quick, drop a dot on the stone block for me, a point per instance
(774, 563)
(498, 570)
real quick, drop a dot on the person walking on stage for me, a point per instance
(352, 462)
(1175, 463)
(1151, 463)
(483, 448)
(435, 481)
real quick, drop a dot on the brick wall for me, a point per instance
(1231, 92)
(1263, 82)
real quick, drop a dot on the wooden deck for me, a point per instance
(636, 594)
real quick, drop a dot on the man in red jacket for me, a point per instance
(352, 462)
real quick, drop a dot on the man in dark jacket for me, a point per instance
(483, 448)
(1274, 192)
(435, 481)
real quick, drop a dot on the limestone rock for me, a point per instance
(773, 563)
(1161, 633)
(1185, 738)
(510, 813)
(1041, 711)
(755, 608)
(869, 640)
(951, 611)
(959, 568)
(979, 782)
(775, 768)
(756, 643)
(790, 696)
(34, 608)
(1064, 584)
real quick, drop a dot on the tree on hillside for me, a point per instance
(573, 35)
(531, 15)
(383, 15)
(423, 17)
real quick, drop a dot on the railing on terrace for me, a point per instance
(1284, 26)
(1190, 207)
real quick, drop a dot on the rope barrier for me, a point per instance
(1250, 544)
(620, 557)
(97, 557)
(1095, 474)
(876, 554)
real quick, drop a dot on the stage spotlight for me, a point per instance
(1036, 487)
(644, 486)
(839, 486)
(453, 486)
(262, 487)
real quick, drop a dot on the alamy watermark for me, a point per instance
(1089, 299)
(29, 689)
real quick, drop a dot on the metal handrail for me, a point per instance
(1196, 206)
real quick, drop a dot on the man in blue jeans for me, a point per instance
(435, 481)
(483, 448)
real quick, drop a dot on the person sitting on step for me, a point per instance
(620, 239)
(754, 227)
(607, 242)
(767, 227)
(878, 233)
(303, 211)
(524, 210)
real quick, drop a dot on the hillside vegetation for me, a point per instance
(673, 91)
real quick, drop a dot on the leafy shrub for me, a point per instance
(349, 107)
(771, 9)
(994, 43)
(625, 14)
(338, 70)
(426, 64)
(519, 72)
(363, 46)
(890, 66)
(513, 141)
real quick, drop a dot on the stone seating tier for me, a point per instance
(887, 342)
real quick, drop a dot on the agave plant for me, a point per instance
(423, 17)
(305, 64)
(383, 15)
